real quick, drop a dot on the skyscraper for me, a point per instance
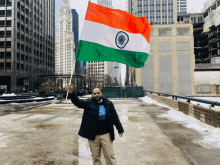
(27, 44)
(156, 11)
(75, 16)
(181, 6)
(106, 3)
(65, 55)
(75, 28)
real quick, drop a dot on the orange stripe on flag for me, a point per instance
(118, 19)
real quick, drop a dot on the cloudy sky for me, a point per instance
(194, 6)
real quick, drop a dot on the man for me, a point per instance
(97, 124)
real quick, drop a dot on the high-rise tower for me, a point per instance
(27, 41)
(75, 16)
(65, 55)
(106, 3)
(156, 11)
(181, 6)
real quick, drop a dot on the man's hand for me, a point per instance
(121, 134)
(69, 88)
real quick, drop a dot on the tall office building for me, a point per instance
(156, 11)
(75, 29)
(106, 3)
(127, 5)
(75, 16)
(65, 55)
(115, 73)
(181, 6)
(27, 41)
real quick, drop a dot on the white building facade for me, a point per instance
(181, 6)
(65, 55)
(156, 11)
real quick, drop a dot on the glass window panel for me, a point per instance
(2, 34)
(8, 13)
(2, 13)
(8, 55)
(2, 3)
(9, 2)
(165, 31)
(2, 23)
(2, 55)
(8, 44)
(8, 23)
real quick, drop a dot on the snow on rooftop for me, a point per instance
(12, 94)
(210, 135)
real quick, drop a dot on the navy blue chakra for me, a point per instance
(121, 39)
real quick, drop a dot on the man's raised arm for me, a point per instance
(74, 98)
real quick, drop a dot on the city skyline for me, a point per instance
(195, 6)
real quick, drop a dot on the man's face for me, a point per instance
(97, 94)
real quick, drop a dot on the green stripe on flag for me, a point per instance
(89, 51)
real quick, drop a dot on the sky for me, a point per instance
(194, 6)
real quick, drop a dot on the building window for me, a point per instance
(165, 31)
(2, 44)
(8, 34)
(2, 23)
(8, 55)
(8, 13)
(2, 13)
(2, 34)
(1, 65)
(8, 23)
(183, 31)
(18, 56)
(8, 65)
(22, 57)
(9, 3)
(2, 3)
(2, 55)
(18, 66)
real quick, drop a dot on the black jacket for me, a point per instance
(88, 126)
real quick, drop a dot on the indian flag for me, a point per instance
(114, 35)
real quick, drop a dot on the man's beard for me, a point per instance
(97, 99)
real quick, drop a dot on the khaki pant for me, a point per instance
(104, 142)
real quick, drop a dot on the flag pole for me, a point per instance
(71, 77)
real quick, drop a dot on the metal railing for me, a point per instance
(213, 103)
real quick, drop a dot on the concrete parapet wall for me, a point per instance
(203, 114)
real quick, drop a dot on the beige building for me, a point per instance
(97, 71)
(171, 62)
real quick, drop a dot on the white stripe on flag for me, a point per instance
(105, 35)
